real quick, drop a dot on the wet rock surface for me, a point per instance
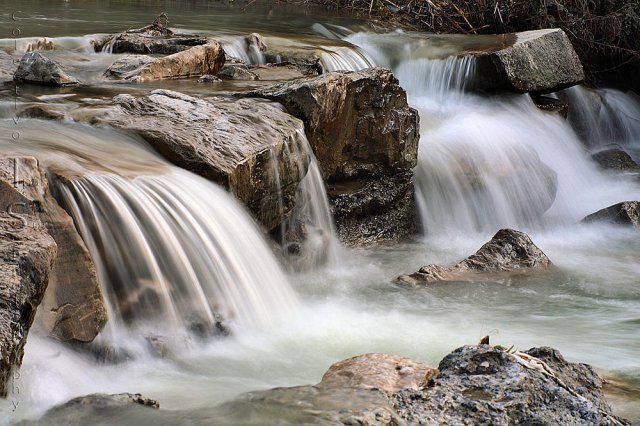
(38, 69)
(485, 385)
(538, 61)
(27, 253)
(360, 128)
(195, 61)
(388, 373)
(616, 159)
(153, 39)
(626, 213)
(507, 251)
(238, 144)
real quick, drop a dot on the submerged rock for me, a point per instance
(615, 159)
(249, 146)
(38, 69)
(485, 385)
(236, 72)
(27, 253)
(389, 373)
(507, 251)
(196, 61)
(626, 213)
(537, 61)
(365, 137)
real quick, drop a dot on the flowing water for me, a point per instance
(485, 162)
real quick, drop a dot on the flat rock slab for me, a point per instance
(537, 61)
(507, 251)
(36, 68)
(249, 146)
(196, 61)
(389, 373)
(626, 213)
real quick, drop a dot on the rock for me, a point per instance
(626, 213)
(209, 79)
(233, 143)
(101, 400)
(41, 44)
(284, 71)
(507, 251)
(38, 69)
(73, 307)
(367, 211)
(485, 385)
(27, 253)
(615, 159)
(7, 67)
(150, 40)
(359, 123)
(537, 61)
(389, 373)
(198, 60)
(309, 405)
(365, 137)
(552, 105)
(126, 67)
(42, 111)
(236, 72)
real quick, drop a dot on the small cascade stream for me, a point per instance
(176, 254)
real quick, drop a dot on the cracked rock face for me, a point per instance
(507, 251)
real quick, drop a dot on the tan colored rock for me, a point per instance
(389, 373)
(507, 251)
(27, 253)
(196, 61)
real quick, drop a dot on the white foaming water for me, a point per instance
(491, 162)
(605, 116)
(240, 47)
(84, 44)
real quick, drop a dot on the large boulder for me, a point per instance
(389, 373)
(626, 213)
(196, 61)
(507, 251)
(488, 385)
(27, 253)
(249, 146)
(365, 137)
(73, 307)
(38, 69)
(537, 61)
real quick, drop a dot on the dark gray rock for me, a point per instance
(236, 72)
(238, 144)
(626, 213)
(507, 251)
(7, 67)
(483, 385)
(365, 137)
(615, 159)
(152, 39)
(38, 69)
(537, 61)
(126, 67)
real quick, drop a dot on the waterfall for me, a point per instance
(174, 252)
(605, 116)
(486, 162)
